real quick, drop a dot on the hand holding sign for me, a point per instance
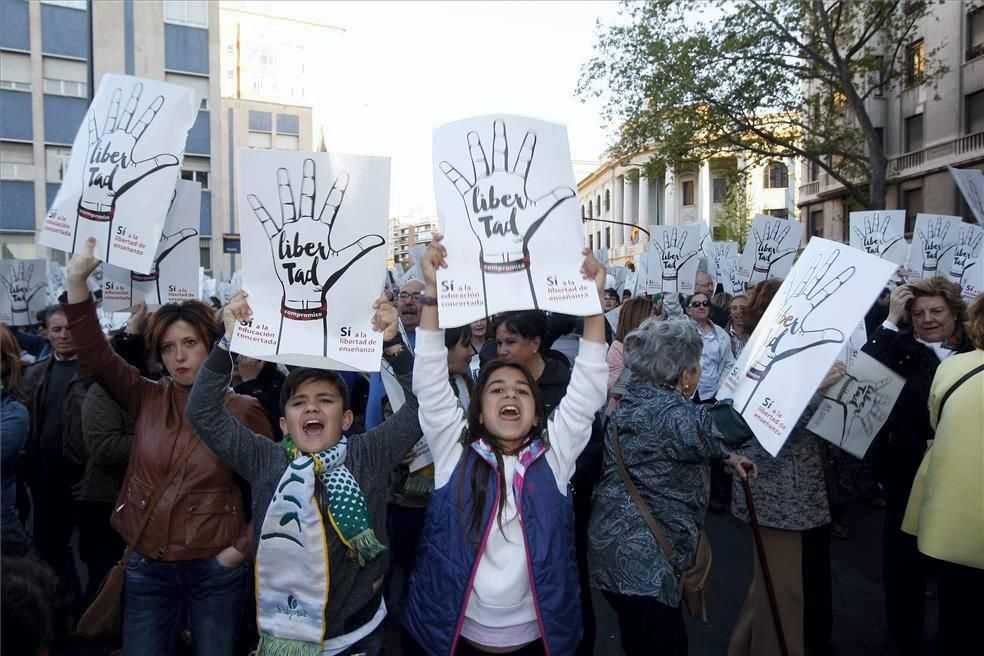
(769, 250)
(502, 215)
(307, 262)
(112, 168)
(672, 256)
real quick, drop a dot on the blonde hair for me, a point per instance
(948, 291)
(975, 325)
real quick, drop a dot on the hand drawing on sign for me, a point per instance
(718, 252)
(863, 402)
(738, 284)
(768, 249)
(500, 211)
(790, 334)
(966, 253)
(20, 291)
(874, 235)
(167, 244)
(306, 261)
(934, 246)
(672, 258)
(111, 167)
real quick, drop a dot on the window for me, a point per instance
(914, 133)
(974, 111)
(186, 12)
(720, 190)
(915, 62)
(816, 223)
(598, 238)
(15, 71)
(590, 209)
(780, 213)
(608, 237)
(598, 205)
(776, 176)
(205, 254)
(608, 199)
(814, 172)
(196, 176)
(288, 142)
(16, 161)
(878, 76)
(65, 77)
(260, 140)
(56, 162)
(198, 84)
(975, 33)
(583, 213)
(912, 203)
(71, 4)
(590, 242)
(688, 192)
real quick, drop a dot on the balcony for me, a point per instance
(947, 153)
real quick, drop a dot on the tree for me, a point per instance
(734, 219)
(772, 78)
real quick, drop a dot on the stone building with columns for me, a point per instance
(619, 191)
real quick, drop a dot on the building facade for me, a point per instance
(405, 235)
(618, 191)
(924, 128)
(49, 69)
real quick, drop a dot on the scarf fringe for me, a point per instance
(419, 484)
(272, 646)
(366, 546)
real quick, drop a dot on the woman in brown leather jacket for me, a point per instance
(191, 557)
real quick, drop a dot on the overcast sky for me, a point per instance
(401, 69)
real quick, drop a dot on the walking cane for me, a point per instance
(760, 548)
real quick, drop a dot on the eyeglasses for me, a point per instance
(404, 296)
(697, 304)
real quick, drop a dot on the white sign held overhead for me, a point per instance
(172, 278)
(24, 292)
(308, 271)
(124, 163)
(880, 233)
(966, 268)
(800, 336)
(674, 255)
(855, 408)
(970, 182)
(933, 242)
(730, 277)
(506, 201)
(717, 252)
(770, 248)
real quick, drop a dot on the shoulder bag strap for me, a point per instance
(664, 544)
(193, 443)
(953, 388)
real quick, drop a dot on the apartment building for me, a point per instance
(405, 235)
(50, 66)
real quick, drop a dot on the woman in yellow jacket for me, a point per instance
(946, 506)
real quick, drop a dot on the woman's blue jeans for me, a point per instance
(158, 596)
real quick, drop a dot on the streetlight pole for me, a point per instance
(621, 223)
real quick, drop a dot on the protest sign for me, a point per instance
(25, 291)
(674, 254)
(631, 283)
(511, 221)
(601, 254)
(933, 242)
(716, 253)
(970, 182)
(124, 163)
(800, 335)
(171, 279)
(615, 278)
(965, 268)
(880, 233)
(855, 408)
(306, 273)
(769, 252)
(56, 281)
(855, 342)
(729, 276)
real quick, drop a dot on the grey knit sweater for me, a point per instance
(371, 456)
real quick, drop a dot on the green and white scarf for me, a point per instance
(292, 560)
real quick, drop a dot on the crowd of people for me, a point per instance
(474, 492)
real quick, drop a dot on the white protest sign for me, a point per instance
(171, 280)
(674, 254)
(506, 201)
(307, 272)
(966, 269)
(601, 254)
(855, 408)
(25, 291)
(970, 182)
(880, 233)
(800, 335)
(631, 283)
(769, 252)
(615, 278)
(933, 241)
(729, 276)
(716, 253)
(56, 281)
(122, 170)
(612, 317)
(854, 344)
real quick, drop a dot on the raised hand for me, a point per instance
(789, 334)
(80, 266)
(385, 319)
(111, 166)
(768, 249)
(934, 246)
(501, 212)
(874, 235)
(306, 259)
(966, 253)
(672, 257)
(20, 291)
